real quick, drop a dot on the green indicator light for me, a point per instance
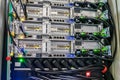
(96, 33)
(72, 67)
(96, 50)
(103, 18)
(103, 34)
(104, 15)
(83, 34)
(101, 4)
(84, 50)
(102, 1)
(97, 17)
(21, 60)
(82, 17)
(104, 49)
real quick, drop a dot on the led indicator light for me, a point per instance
(13, 34)
(104, 49)
(100, 4)
(104, 70)
(21, 60)
(11, 54)
(96, 51)
(88, 74)
(96, 33)
(83, 34)
(8, 58)
(22, 19)
(103, 34)
(14, 15)
(84, 51)
(20, 55)
(82, 17)
(21, 36)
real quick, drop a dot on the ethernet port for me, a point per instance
(78, 52)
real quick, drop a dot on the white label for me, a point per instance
(90, 45)
(89, 28)
(17, 64)
(88, 13)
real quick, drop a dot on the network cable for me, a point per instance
(65, 74)
(24, 9)
(21, 26)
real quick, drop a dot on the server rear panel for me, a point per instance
(59, 39)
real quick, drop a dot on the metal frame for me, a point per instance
(3, 40)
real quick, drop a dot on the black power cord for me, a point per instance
(12, 39)
(29, 63)
(14, 10)
(24, 9)
(110, 24)
(71, 72)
